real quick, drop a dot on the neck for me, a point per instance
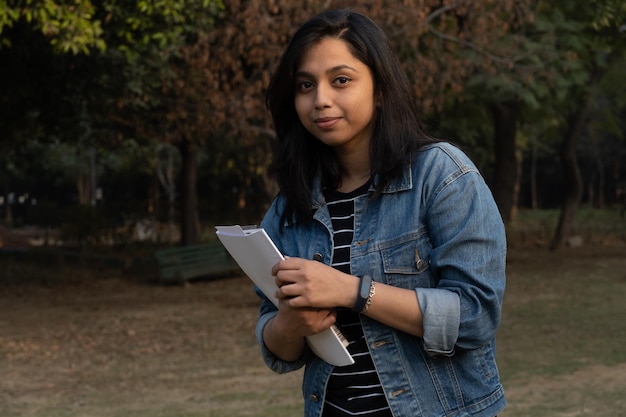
(355, 166)
(353, 179)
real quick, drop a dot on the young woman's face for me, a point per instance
(334, 96)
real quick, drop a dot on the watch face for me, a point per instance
(364, 291)
(366, 282)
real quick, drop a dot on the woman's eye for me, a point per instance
(304, 85)
(342, 80)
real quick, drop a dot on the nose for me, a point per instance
(323, 96)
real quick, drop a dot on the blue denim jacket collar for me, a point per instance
(403, 183)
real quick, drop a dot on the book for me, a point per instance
(256, 254)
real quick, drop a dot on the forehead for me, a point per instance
(328, 53)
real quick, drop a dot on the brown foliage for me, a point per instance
(220, 80)
(216, 85)
(439, 42)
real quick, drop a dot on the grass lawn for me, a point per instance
(76, 341)
(562, 344)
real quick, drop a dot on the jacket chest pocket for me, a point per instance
(406, 261)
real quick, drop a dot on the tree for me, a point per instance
(27, 76)
(70, 28)
(441, 46)
(164, 98)
(143, 39)
(593, 46)
(192, 74)
(533, 61)
(468, 54)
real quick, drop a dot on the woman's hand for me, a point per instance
(311, 284)
(306, 304)
(301, 322)
(308, 293)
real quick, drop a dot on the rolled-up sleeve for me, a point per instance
(268, 311)
(468, 258)
(441, 312)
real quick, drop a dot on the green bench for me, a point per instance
(180, 264)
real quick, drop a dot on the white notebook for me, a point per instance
(256, 254)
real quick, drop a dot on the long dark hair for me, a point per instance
(397, 131)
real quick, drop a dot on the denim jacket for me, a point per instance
(435, 230)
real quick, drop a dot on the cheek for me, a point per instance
(302, 110)
(300, 105)
(365, 109)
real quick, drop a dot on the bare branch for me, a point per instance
(437, 13)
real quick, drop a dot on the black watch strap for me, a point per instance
(363, 294)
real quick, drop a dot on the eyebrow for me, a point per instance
(328, 71)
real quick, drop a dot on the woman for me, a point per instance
(388, 233)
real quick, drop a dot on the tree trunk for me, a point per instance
(82, 186)
(8, 213)
(600, 200)
(506, 167)
(165, 174)
(571, 173)
(573, 186)
(534, 201)
(189, 193)
(93, 181)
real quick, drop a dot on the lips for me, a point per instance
(326, 122)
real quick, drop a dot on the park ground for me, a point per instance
(78, 341)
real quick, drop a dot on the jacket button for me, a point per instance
(314, 397)
(318, 257)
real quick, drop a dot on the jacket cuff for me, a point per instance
(441, 315)
(274, 363)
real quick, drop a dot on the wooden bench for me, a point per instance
(177, 265)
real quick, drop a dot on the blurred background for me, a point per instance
(146, 121)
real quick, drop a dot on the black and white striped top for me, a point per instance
(353, 390)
